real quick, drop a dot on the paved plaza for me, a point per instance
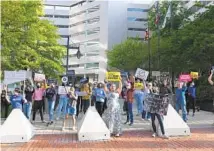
(136, 137)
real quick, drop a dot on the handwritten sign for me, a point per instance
(141, 74)
(39, 77)
(194, 75)
(63, 90)
(138, 86)
(185, 78)
(113, 76)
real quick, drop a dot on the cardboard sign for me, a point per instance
(113, 76)
(16, 76)
(81, 93)
(138, 86)
(63, 90)
(141, 74)
(185, 78)
(194, 75)
(39, 77)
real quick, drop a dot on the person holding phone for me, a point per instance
(17, 99)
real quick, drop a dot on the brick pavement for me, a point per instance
(200, 139)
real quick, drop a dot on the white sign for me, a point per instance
(16, 76)
(63, 89)
(64, 79)
(81, 93)
(141, 74)
(156, 73)
(39, 77)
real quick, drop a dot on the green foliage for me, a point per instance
(128, 55)
(29, 42)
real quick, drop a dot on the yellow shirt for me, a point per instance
(88, 91)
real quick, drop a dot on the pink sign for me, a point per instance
(185, 78)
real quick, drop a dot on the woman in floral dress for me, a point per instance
(112, 115)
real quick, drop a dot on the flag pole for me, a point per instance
(158, 31)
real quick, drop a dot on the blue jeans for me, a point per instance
(51, 104)
(27, 107)
(63, 101)
(139, 100)
(130, 113)
(146, 115)
(182, 105)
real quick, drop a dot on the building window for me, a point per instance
(91, 54)
(49, 16)
(92, 65)
(62, 26)
(137, 29)
(136, 19)
(137, 10)
(61, 16)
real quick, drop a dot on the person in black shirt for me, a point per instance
(27, 107)
(4, 104)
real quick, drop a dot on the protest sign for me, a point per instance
(194, 75)
(185, 78)
(138, 86)
(16, 76)
(141, 74)
(81, 93)
(113, 76)
(156, 104)
(39, 77)
(63, 89)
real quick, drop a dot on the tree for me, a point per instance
(28, 41)
(128, 55)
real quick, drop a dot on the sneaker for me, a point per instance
(130, 124)
(154, 135)
(57, 119)
(32, 122)
(126, 122)
(63, 128)
(117, 135)
(43, 121)
(148, 120)
(193, 114)
(74, 128)
(165, 137)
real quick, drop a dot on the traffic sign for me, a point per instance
(64, 79)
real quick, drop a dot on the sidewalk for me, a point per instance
(200, 139)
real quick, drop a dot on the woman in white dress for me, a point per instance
(112, 115)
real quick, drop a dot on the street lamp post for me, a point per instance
(78, 54)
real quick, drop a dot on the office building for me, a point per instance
(95, 27)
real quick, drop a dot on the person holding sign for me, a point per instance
(100, 98)
(71, 108)
(210, 79)
(181, 99)
(50, 94)
(191, 97)
(38, 102)
(112, 113)
(17, 99)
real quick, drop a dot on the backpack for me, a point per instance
(50, 93)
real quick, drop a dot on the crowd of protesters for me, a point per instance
(104, 96)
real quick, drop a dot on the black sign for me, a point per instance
(71, 73)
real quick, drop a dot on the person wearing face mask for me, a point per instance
(112, 114)
(4, 104)
(148, 90)
(17, 100)
(50, 94)
(191, 97)
(38, 102)
(181, 99)
(100, 98)
(27, 107)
